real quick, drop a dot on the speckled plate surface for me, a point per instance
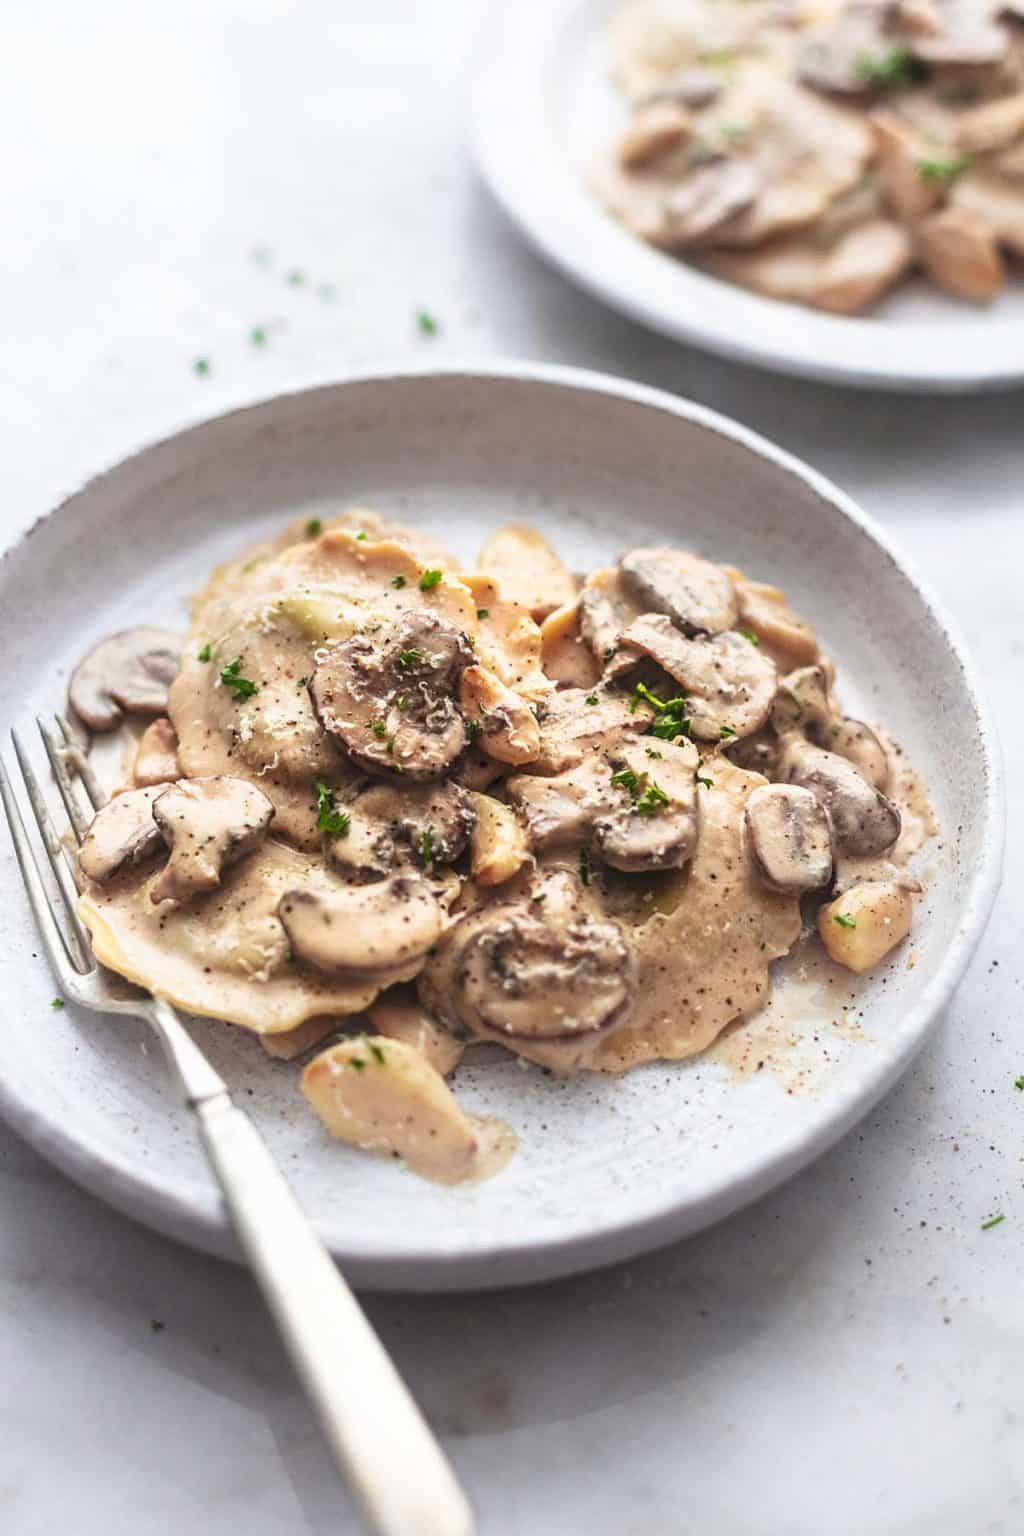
(544, 110)
(606, 1167)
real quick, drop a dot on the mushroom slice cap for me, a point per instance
(364, 929)
(993, 125)
(729, 683)
(654, 129)
(695, 594)
(864, 265)
(122, 834)
(208, 824)
(863, 820)
(128, 673)
(560, 811)
(712, 196)
(603, 614)
(789, 837)
(652, 823)
(435, 820)
(858, 743)
(545, 968)
(571, 726)
(690, 88)
(389, 698)
(802, 700)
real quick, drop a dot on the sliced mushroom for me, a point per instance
(653, 821)
(156, 758)
(758, 753)
(498, 848)
(712, 195)
(802, 700)
(527, 570)
(695, 594)
(560, 811)
(129, 673)
(729, 683)
(365, 929)
(574, 722)
(858, 743)
(121, 835)
(389, 698)
(864, 266)
(542, 967)
(765, 612)
(960, 254)
(653, 130)
(508, 729)
(566, 657)
(790, 838)
(993, 125)
(690, 88)
(604, 613)
(863, 820)
(995, 203)
(433, 821)
(837, 59)
(208, 824)
(968, 36)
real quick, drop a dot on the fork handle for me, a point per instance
(376, 1434)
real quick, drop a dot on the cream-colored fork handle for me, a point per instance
(380, 1441)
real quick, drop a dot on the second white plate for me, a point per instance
(543, 108)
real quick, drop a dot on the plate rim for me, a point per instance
(196, 1216)
(508, 165)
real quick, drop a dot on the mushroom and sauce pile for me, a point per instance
(822, 150)
(383, 808)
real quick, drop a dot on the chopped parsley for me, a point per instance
(1020, 1083)
(241, 687)
(204, 654)
(359, 1062)
(427, 845)
(474, 728)
(944, 172)
(483, 613)
(57, 1004)
(585, 870)
(643, 692)
(726, 732)
(993, 1221)
(627, 779)
(845, 920)
(591, 698)
(314, 528)
(258, 336)
(361, 535)
(672, 718)
(748, 634)
(201, 367)
(296, 278)
(703, 779)
(398, 581)
(651, 753)
(409, 658)
(402, 700)
(379, 728)
(302, 682)
(429, 579)
(427, 323)
(886, 71)
(328, 817)
(734, 133)
(652, 800)
(377, 1052)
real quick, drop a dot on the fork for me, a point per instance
(397, 1473)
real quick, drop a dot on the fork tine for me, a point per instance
(77, 942)
(93, 788)
(49, 930)
(54, 751)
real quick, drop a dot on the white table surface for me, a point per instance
(844, 1359)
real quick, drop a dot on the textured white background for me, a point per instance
(847, 1358)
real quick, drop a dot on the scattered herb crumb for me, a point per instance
(726, 732)
(427, 322)
(204, 654)
(377, 1052)
(748, 634)
(57, 1004)
(703, 779)
(483, 613)
(398, 582)
(429, 579)
(201, 367)
(258, 336)
(314, 528)
(944, 172)
(359, 1062)
(585, 870)
(241, 687)
(1019, 1083)
(302, 682)
(409, 658)
(474, 728)
(156, 1325)
(379, 728)
(651, 753)
(591, 698)
(295, 278)
(361, 536)
(845, 920)
(328, 817)
(652, 800)
(886, 71)
(427, 845)
(993, 1221)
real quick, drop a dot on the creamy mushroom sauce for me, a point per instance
(575, 817)
(822, 150)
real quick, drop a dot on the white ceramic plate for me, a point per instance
(542, 110)
(606, 1167)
